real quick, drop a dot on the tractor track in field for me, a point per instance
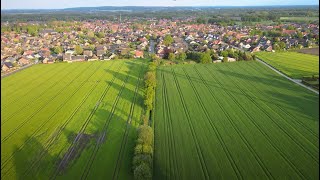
(289, 114)
(57, 134)
(103, 133)
(244, 140)
(37, 111)
(198, 147)
(44, 123)
(77, 139)
(125, 136)
(169, 127)
(28, 82)
(261, 130)
(165, 129)
(30, 102)
(278, 125)
(16, 92)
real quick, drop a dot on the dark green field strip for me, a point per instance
(40, 128)
(74, 121)
(254, 164)
(25, 116)
(280, 121)
(292, 120)
(36, 151)
(279, 138)
(187, 139)
(35, 93)
(252, 134)
(21, 89)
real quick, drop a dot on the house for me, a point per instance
(269, 49)
(47, 61)
(138, 54)
(77, 58)
(87, 53)
(100, 53)
(217, 61)
(231, 59)
(67, 57)
(23, 61)
(6, 66)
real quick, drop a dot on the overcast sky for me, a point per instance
(59, 4)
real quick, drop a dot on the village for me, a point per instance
(106, 40)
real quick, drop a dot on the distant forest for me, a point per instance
(223, 15)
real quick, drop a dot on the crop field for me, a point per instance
(71, 121)
(300, 19)
(236, 120)
(295, 65)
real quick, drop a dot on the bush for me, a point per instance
(142, 158)
(142, 172)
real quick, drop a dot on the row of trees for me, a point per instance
(143, 152)
(150, 86)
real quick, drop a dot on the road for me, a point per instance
(151, 48)
(297, 81)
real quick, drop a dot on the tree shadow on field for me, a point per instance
(24, 160)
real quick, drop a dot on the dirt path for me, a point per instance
(297, 81)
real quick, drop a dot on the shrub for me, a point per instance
(142, 172)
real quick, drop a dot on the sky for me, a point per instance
(60, 4)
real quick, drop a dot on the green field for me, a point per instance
(52, 114)
(293, 64)
(236, 120)
(299, 19)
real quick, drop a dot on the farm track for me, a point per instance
(278, 125)
(102, 134)
(45, 122)
(30, 102)
(199, 151)
(38, 110)
(285, 112)
(261, 131)
(169, 127)
(85, 124)
(125, 137)
(55, 136)
(246, 142)
(165, 129)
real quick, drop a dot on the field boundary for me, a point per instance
(287, 77)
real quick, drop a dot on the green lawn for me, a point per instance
(293, 64)
(236, 120)
(69, 120)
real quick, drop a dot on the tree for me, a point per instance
(145, 135)
(224, 53)
(57, 49)
(168, 40)
(225, 59)
(276, 47)
(78, 50)
(205, 58)
(171, 57)
(182, 56)
(282, 45)
(142, 172)
(150, 79)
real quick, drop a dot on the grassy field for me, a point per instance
(234, 121)
(295, 65)
(52, 114)
(299, 19)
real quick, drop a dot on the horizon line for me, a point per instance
(165, 6)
